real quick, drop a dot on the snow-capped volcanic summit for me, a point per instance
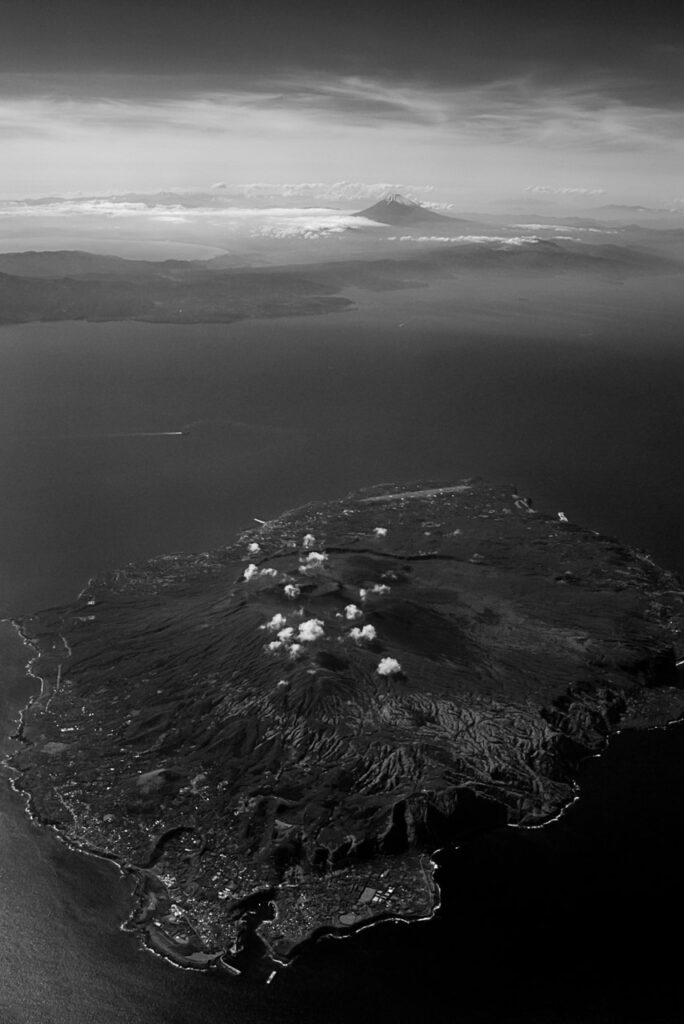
(396, 209)
(396, 197)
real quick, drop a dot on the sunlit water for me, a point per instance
(121, 441)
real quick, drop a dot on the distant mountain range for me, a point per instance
(52, 286)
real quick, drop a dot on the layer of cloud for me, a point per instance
(254, 222)
(226, 195)
(502, 240)
(564, 190)
(567, 227)
(332, 192)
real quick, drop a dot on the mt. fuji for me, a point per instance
(397, 210)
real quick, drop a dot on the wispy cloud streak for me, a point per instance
(510, 108)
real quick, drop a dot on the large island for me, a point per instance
(277, 735)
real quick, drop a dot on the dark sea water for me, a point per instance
(566, 924)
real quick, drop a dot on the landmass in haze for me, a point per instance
(396, 244)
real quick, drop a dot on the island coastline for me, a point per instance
(159, 941)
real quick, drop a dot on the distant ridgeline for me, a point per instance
(299, 720)
(82, 286)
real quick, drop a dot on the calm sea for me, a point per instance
(566, 924)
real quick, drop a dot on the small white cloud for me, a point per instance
(250, 572)
(380, 588)
(295, 651)
(367, 632)
(268, 572)
(363, 593)
(275, 645)
(352, 612)
(312, 629)
(388, 667)
(431, 205)
(277, 622)
(308, 541)
(314, 560)
(291, 591)
(283, 682)
(286, 634)
(380, 531)
(254, 548)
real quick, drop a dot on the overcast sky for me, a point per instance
(485, 101)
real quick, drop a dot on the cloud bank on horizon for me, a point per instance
(163, 226)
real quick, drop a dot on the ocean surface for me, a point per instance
(564, 924)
